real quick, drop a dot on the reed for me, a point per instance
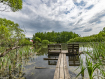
(94, 60)
(12, 62)
(82, 67)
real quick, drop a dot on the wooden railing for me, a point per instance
(73, 48)
(54, 48)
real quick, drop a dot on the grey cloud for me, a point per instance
(82, 3)
(79, 13)
(48, 2)
(97, 17)
(70, 24)
(27, 11)
(79, 21)
(90, 7)
(87, 30)
(78, 28)
(41, 24)
(73, 17)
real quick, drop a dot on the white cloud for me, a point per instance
(48, 15)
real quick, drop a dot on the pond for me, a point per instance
(30, 63)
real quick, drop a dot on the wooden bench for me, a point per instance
(54, 48)
(73, 48)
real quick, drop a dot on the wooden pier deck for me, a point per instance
(61, 71)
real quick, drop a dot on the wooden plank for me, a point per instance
(61, 67)
(50, 58)
(66, 70)
(61, 71)
(56, 74)
(54, 48)
(67, 76)
(65, 67)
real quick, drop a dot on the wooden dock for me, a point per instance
(61, 71)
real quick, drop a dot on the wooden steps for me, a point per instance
(61, 71)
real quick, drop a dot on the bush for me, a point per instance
(45, 42)
(37, 39)
(52, 42)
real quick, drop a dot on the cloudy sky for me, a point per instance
(85, 17)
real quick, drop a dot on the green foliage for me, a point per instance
(15, 5)
(52, 42)
(100, 37)
(4, 35)
(36, 39)
(59, 37)
(25, 42)
(45, 42)
(10, 33)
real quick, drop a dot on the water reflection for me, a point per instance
(74, 60)
(52, 60)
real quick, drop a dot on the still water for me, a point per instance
(35, 66)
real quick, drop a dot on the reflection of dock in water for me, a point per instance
(74, 60)
(61, 71)
(52, 60)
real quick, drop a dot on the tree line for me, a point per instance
(100, 37)
(58, 37)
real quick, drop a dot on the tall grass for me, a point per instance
(95, 61)
(13, 61)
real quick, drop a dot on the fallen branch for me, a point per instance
(7, 50)
(43, 68)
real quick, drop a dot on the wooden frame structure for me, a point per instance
(73, 49)
(54, 48)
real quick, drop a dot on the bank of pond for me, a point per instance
(29, 62)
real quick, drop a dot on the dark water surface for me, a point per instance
(40, 69)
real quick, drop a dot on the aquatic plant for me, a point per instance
(82, 67)
(91, 67)
(95, 61)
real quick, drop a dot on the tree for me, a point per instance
(15, 5)
(103, 30)
(36, 39)
(59, 37)
(10, 33)
(4, 35)
(45, 42)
